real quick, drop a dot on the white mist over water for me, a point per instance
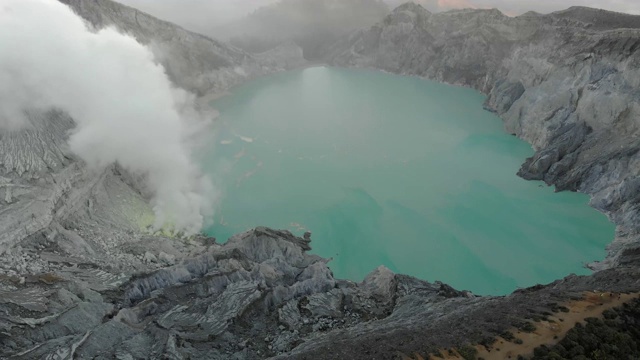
(124, 105)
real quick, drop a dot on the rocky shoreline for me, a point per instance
(79, 279)
(261, 295)
(564, 82)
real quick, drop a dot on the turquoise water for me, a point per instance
(398, 171)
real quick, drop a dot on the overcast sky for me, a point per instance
(203, 15)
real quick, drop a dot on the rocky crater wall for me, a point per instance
(78, 279)
(566, 82)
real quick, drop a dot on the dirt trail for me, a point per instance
(548, 332)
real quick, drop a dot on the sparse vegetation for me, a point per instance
(616, 337)
(527, 327)
(468, 353)
(558, 308)
(488, 342)
(508, 335)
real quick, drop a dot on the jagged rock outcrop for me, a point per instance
(260, 295)
(565, 82)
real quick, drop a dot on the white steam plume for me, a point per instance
(124, 105)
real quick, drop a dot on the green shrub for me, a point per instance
(528, 327)
(468, 353)
(508, 335)
(617, 337)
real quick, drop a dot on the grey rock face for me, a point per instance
(261, 295)
(80, 278)
(49, 197)
(192, 61)
(72, 238)
(565, 82)
(51, 200)
(255, 296)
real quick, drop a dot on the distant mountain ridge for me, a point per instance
(600, 19)
(312, 24)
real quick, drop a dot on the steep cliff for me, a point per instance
(566, 82)
(194, 62)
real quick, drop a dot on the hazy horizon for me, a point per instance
(205, 15)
